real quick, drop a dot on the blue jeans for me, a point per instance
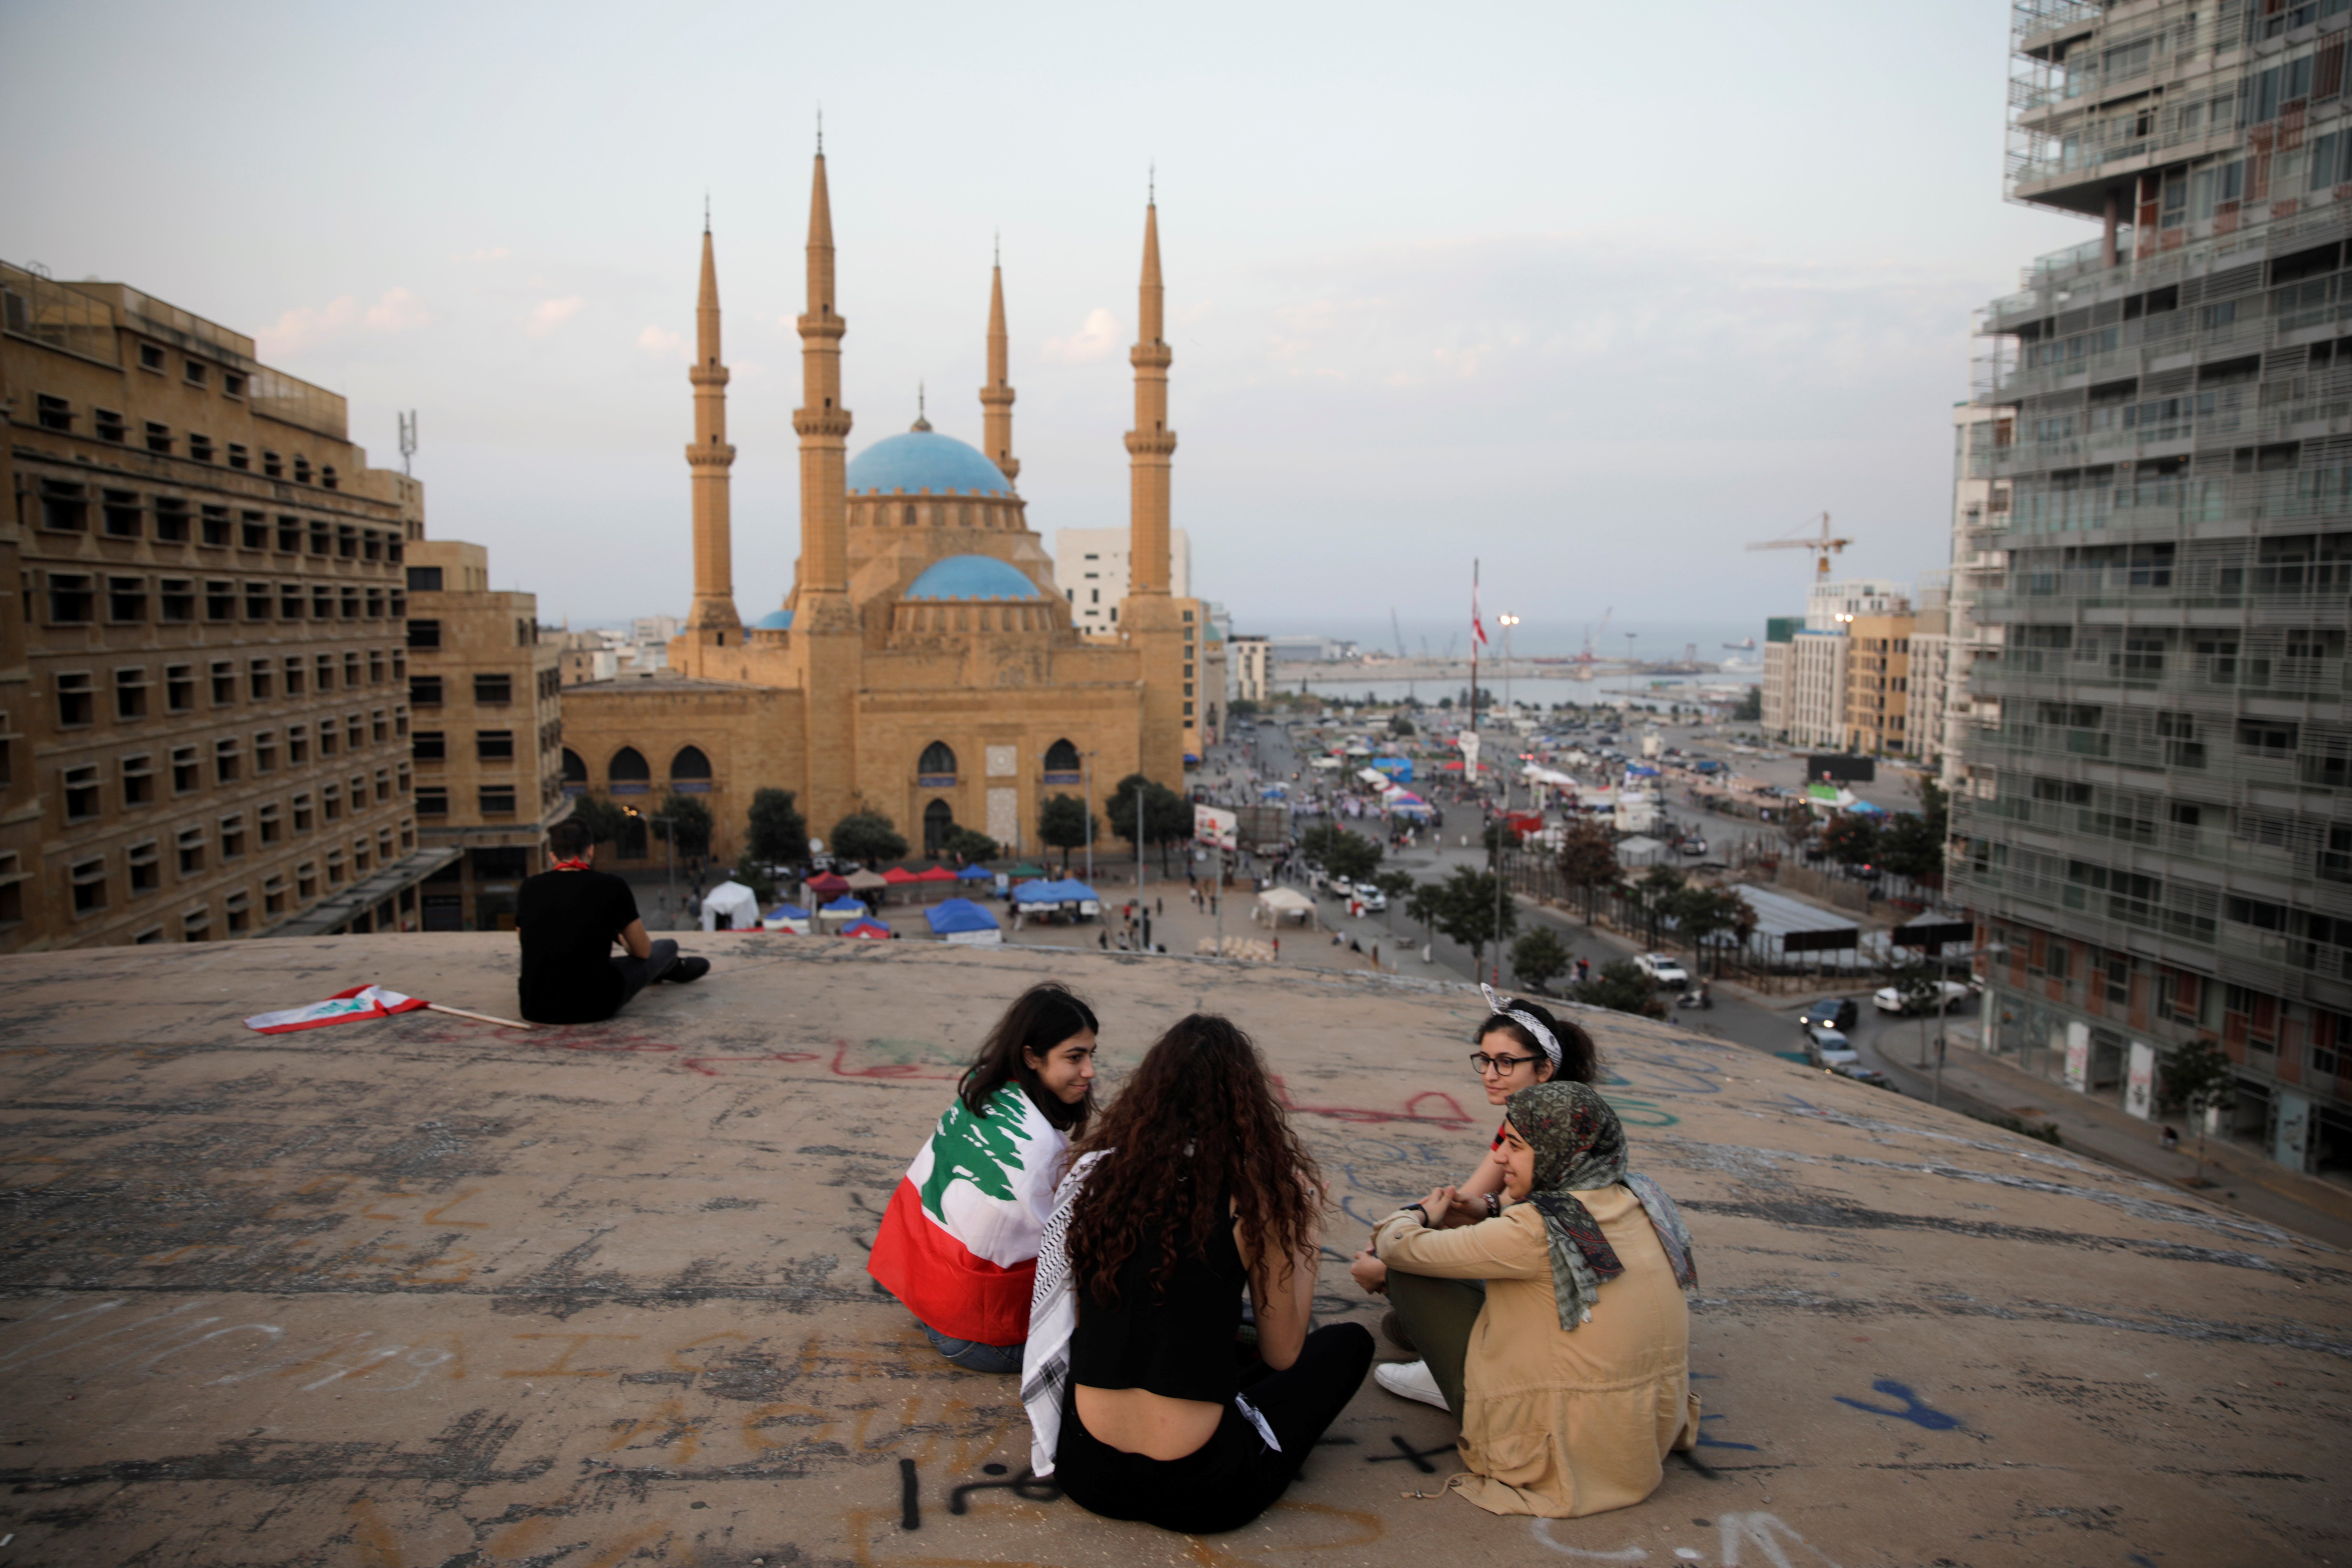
(973, 1356)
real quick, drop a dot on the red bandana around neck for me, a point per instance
(581, 865)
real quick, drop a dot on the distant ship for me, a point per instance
(1745, 646)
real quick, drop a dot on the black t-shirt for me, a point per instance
(1179, 1344)
(569, 921)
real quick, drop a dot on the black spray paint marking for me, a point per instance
(1023, 1485)
(910, 1501)
(1914, 1410)
(1404, 1450)
(1706, 1441)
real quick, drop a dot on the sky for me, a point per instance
(1595, 296)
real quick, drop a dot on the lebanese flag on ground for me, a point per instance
(342, 1007)
(958, 1245)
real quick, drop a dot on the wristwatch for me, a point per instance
(1423, 1211)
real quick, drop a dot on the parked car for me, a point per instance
(1890, 999)
(1829, 1013)
(1661, 970)
(1861, 1074)
(1694, 848)
(1341, 888)
(1372, 898)
(1829, 1049)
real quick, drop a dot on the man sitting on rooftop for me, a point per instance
(569, 917)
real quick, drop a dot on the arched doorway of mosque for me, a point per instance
(1061, 763)
(939, 825)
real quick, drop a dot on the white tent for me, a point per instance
(1279, 904)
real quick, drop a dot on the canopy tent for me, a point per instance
(867, 883)
(732, 903)
(1279, 904)
(975, 873)
(940, 874)
(867, 930)
(1864, 808)
(962, 921)
(840, 913)
(789, 917)
(1027, 870)
(1536, 774)
(1324, 762)
(826, 886)
(1374, 777)
(1050, 895)
(899, 875)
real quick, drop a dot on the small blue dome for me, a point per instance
(972, 577)
(925, 460)
(773, 621)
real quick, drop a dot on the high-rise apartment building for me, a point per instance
(1978, 517)
(1253, 659)
(1878, 684)
(203, 714)
(1778, 693)
(1090, 567)
(2156, 835)
(485, 692)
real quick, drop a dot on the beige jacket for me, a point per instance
(1559, 1424)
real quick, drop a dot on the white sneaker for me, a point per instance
(1410, 1380)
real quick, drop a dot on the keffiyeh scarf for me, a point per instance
(1579, 1147)
(1053, 1318)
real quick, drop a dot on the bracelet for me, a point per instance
(1494, 1206)
(1419, 1209)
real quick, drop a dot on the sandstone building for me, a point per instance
(924, 664)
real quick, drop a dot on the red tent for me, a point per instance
(899, 874)
(828, 884)
(937, 874)
(866, 930)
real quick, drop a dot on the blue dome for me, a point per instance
(925, 460)
(972, 577)
(773, 621)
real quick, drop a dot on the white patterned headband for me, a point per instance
(1524, 1020)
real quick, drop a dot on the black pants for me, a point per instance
(636, 973)
(1233, 1476)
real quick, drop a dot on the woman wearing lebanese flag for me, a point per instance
(958, 1245)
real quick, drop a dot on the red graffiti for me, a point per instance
(1453, 1117)
(888, 1069)
(699, 1064)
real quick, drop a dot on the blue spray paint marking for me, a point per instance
(1707, 1442)
(1914, 1410)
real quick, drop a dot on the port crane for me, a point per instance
(1823, 547)
(1584, 660)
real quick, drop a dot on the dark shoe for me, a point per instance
(1393, 1328)
(688, 969)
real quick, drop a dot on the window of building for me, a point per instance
(171, 520)
(306, 881)
(302, 476)
(257, 601)
(53, 413)
(80, 786)
(383, 786)
(265, 752)
(432, 800)
(375, 666)
(151, 357)
(146, 859)
(232, 835)
(108, 423)
(187, 773)
(302, 815)
(360, 858)
(259, 677)
(425, 634)
(298, 743)
(120, 514)
(273, 895)
(493, 690)
(223, 682)
(322, 604)
(289, 536)
(191, 850)
(327, 475)
(271, 821)
(377, 727)
(327, 737)
(159, 436)
(354, 733)
(64, 505)
(294, 678)
(130, 693)
(137, 780)
(196, 370)
(239, 457)
(178, 688)
(197, 925)
(88, 879)
(273, 466)
(371, 545)
(226, 757)
(935, 768)
(330, 802)
(72, 601)
(498, 800)
(375, 603)
(494, 746)
(425, 691)
(220, 601)
(334, 868)
(351, 604)
(350, 670)
(325, 667)
(76, 704)
(239, 912)
(200, 448)
(2270, 739)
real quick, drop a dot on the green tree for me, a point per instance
(1167, 815)
(779, 833)
(1588, 860)
(1423, 905)
(1540, 957)
(1401, 727)
(1622, 988)
(1244, 708)
(1700, 912)
(1475, 912)
(689, 825)
(2194, 1078)
(970, 846)
(1850, 839)
(1394, 885)
(869, 836)
(1350, 854)
(1500, 835)
(1750, 710)
(1063, 823)
(602, 819)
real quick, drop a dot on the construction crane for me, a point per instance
(1398, 627)
(1824, 548)
(1584, 660)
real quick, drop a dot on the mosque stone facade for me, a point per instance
(923, 664)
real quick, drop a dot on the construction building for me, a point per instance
(2156, 832)
(203, 708)
(1090, 569)
(1878, 684)
(485, 695)
(1253, 658)
(1777, 691)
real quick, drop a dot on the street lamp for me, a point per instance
(1507, 622)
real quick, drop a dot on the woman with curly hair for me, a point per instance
(958, 1246)
(1192, 1188)
(1576, 1383)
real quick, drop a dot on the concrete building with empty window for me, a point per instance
(2155, 831)
(204, 713)
(1090, 569)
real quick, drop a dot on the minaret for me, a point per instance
(1151, 622)
(824, 624)
(712, 620)
(996, 397)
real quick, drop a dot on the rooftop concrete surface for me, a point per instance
(432, 1293)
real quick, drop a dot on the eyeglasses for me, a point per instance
(1483, 1064)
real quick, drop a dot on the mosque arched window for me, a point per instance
(575, 773)
(939, 826)
(627, 772)
(911, 517)
(689, 770)
(1061, 763)
(938, 764)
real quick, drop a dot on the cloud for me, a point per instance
(308, 326)
(1097, 338)
(663, 344)
(549, 314)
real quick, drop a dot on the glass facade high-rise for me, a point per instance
(2151, 819)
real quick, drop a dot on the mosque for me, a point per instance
(923, 664)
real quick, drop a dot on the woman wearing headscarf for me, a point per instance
(1571, 1372)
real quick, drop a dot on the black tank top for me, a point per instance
(1178, 1343)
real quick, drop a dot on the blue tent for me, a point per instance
(975, 873)
(1055, 892)
(1864, 808)
(788, 912)
(844, 905)
(953, 918)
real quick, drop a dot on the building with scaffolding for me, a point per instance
(2155, 831)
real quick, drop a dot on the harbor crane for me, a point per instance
(1823, 547)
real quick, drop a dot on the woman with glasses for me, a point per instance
(1519, 1045)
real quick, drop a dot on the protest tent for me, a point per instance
(789, 917)
(1276, 905)
(899, 875)
(826, 886)
(961, 921)
(1073, 896)
(940, 874)
(975, 873)
(867, 930)
(840, 913)
(867, 883)
(1019, 872)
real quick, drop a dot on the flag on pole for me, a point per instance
(958, 1246)
(1478, 621)
(342, 1007)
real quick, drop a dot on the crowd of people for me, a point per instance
(1148, 1268)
